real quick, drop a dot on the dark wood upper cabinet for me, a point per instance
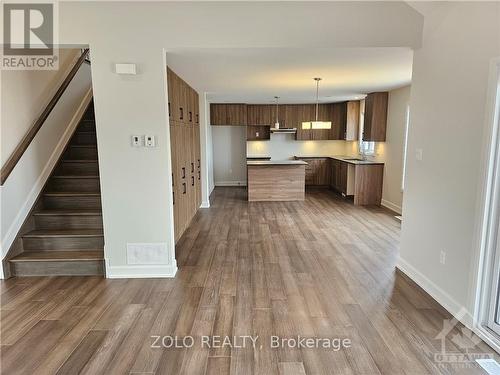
(339, 113)
(183, 100)
(352, 121)
(260, 114)
(305, 112)
(218, 114)
(258, 133)
(287, 115)
(325, 112)
(228, 114)
(375, 124)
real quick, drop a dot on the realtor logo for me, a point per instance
(463, 352)
(29, 31)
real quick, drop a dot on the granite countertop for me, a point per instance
(276, 162)
(257, 157)
(342, 158)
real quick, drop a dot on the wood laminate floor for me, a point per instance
(319, 268)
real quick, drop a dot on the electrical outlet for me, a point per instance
(419, 154)
(442, 257)
(136, 141)
(149, 141)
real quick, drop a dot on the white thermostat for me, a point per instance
(125, 68)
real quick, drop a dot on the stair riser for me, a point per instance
(66, 168)
(68, 221)
(73, 184)
(86, 126)
(93, 202)
(89, 115)
(81, 153)
(63, 243)
(50, 268)
(84, 139)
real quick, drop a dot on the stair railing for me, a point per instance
(21, 148)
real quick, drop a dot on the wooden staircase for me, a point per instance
(67, 236)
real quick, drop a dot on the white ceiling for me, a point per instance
(256, 75)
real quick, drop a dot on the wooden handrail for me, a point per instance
(32, 132)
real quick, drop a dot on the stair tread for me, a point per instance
(80, 161)
(68, 212)
(64, 233)
(45, 256)
(72, 193)
(76, 176)
(84, 146)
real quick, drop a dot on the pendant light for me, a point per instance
(277, 123)
(317, 124)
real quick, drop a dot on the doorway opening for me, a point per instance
(487, 312)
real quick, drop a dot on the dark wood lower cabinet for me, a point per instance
(362, 182)
(186, 174)
(339, 173)
(317, 171)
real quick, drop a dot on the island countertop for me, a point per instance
(276, 162)
(347, 159)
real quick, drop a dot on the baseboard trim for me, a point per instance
(391, 206)
(444, 299)
(16, 225)
(230, 183)
(141, 271)
(205, 204)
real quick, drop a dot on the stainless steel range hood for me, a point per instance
(284, 130)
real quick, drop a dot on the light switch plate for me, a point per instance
(137, 141)
(149, 140)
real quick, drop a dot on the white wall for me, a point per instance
(284, 146)
(206, 148)
(136, 183)
(229, 155)
(393, 148)
(24, 184)
(448, 100)
(25, 93)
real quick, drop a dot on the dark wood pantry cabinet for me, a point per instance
(185, 150)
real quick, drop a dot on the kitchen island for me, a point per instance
(271, 180)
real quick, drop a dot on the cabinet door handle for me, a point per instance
(183, 172)
(183, 188)
(192, 167)
(192, 180)
(182, 113)
(190, 116)
(199, 175)
(173, 197)
(198, 163)
(173, 184)
(197, 119)
(169, 112)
